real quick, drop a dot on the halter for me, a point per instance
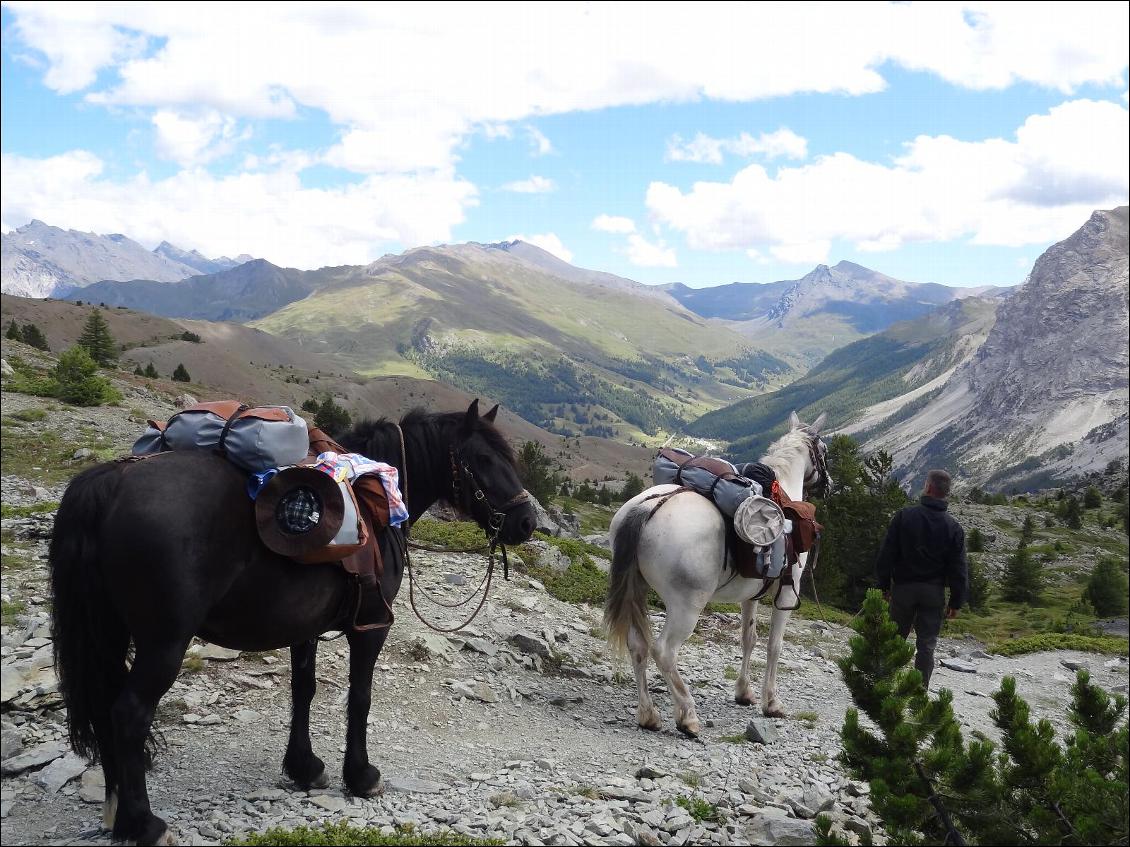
(462, 478)
(818, 479)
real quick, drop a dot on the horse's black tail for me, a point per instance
(91, 640)
(626, 606)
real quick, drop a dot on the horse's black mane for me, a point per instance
(376, 438)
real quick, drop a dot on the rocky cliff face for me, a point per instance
(44, 261)
(41, 260)
(1050, 382)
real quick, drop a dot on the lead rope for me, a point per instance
(484, 584)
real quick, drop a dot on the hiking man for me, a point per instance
(924, 552)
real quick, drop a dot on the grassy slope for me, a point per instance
(256, 367)
(851, 378)
(1067, 555)
(476, 305)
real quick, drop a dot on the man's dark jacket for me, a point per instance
(925, 544)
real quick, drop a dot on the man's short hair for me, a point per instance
(939, 482)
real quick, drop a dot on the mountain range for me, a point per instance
(1018, 391)
(1001, 385)
(805, 319)
(39, 260)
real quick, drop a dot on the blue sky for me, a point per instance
(933, 143)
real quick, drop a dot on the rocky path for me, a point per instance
(520, 728)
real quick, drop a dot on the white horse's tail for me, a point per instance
(626, 606)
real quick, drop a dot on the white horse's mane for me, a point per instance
(783, 452)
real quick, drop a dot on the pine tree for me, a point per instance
(331, 417)
(13, 332)
(930, 786)
(1107, 588)
(77, 381)
(34, 336)
(1028, 530)
(980, 586)
(913, 729)
(137, 371)
(151, 371)
(632, 486)
(181, 374)
(975, 541)
(535, 469)
(98, 341)
(1023, 577)
(1092, 498)
(1071, 513)
(855, 516)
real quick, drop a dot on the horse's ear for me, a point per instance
(491, 415)
(794, 420)
(472, 414)
(818, 424)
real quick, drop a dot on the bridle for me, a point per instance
(817, 480)
(463, 483)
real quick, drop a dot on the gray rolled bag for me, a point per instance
(256, 439)
(711, 477)
(757, 519)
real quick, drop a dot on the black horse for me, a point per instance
(155, 552)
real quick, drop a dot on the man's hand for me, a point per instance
(951, 613)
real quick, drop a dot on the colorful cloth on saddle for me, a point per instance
(350, 466)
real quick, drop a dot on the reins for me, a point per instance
(461, 475)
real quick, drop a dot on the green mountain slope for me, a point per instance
(895, 363)
(571, 350)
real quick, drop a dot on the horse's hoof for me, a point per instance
(745, 701)
(322, 780)
(775, 713)
(689, 730)
(365, 784)
(156, 833)
(650, 727)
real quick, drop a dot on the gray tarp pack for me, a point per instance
(727, 494)
(252, 443)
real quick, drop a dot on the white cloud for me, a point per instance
(404, 88)
(533, 185)
(645, 254)
(547, 241)
(614, 224)
(267, 214)
(707, 150)
(195, 140)
(1034, 189)
(393, 71)
(539, 144)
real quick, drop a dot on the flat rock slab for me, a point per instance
(481, 645)
(93, 787)
(214, 652)
(761, 731)
(529, 643)
(414, 785)
(39, 755)
(782, 830)
(60, 772)
(330, 803)
(959, 665)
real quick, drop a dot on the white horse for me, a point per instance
(681, 553)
